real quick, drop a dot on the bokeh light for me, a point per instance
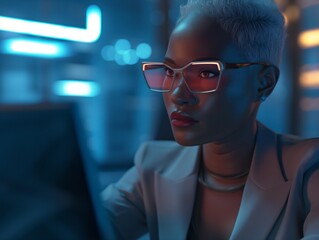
(144, 51)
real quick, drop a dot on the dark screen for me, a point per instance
(43, 186)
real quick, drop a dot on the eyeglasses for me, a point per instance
(199, 77)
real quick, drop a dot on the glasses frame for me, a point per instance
(222, 66)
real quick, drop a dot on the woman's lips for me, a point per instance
(182, 120)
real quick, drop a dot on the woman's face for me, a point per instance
(209, 117)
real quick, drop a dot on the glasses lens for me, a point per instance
(158, 77)
(202, 77)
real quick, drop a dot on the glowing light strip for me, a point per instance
(91, 33)
(310, 38)
(310, 79)
(35, 48)
(76, 88)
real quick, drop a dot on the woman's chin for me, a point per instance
(186, 141)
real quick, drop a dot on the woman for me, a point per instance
(228, 176)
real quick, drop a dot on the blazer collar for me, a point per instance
(175, 191)
(266, 190)
(263, 198)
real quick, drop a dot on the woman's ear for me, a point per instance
(268, 78)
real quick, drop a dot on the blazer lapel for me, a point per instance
(175, 195)
(264, 196)
(265, 193)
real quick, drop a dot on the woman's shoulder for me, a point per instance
(161, 156)
(157, 149)
(299, 155)
(297, 147)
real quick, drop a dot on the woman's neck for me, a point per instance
(232, 155)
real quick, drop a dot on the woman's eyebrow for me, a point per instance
(169, 60)
(205, 59)
(172, 62)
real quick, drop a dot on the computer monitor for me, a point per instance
(48, 190)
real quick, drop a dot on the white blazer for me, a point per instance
(280, 199)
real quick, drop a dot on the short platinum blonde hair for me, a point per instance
(257, 26)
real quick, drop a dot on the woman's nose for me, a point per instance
(181, 94)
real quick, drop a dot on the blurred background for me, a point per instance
(89, 52)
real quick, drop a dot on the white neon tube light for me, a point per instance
(35, 48)
(76, 88)
(89, 34)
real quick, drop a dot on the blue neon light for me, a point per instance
(76, 88)
(34, 48)
(91, 33)
(144, 50)
(122, 45)
(130, 57)
(123, 54)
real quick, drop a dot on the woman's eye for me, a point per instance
(207, 74)
(169, 72)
